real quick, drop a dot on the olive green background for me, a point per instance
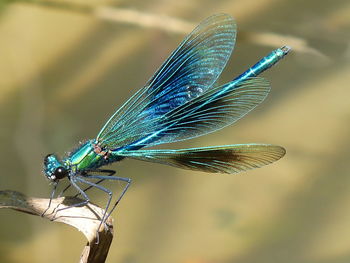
(65, 66)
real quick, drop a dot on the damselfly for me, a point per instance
(179, 102)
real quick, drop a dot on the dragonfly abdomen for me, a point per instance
(264, 64)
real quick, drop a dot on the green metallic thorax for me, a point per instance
(84, 158)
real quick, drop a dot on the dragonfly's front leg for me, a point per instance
(73, 180)
(51, 197)
(108, 172)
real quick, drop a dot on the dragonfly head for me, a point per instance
(54, 169)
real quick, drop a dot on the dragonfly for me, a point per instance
(179, 102)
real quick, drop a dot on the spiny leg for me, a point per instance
(109, 173)
(91, 184)
(85, 196)
(51, 197)
(127, 180)
(104, 217)
(83, 180)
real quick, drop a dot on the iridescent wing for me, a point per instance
(189, 71)
(218, 159)
(213, 110)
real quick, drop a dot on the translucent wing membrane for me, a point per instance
(189, 71)
(218, 159)
(211, 111)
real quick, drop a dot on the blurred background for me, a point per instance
(66, 65)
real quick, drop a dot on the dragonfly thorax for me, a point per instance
(54, 169)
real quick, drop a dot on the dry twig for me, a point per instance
(84, 218)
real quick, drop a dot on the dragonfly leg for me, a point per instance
(110, 195)
(115, 178)
(51, 197)
(85, 196)
(108, 172)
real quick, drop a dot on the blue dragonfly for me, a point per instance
(179, 102)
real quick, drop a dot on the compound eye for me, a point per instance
(46, 159)
(60, 172)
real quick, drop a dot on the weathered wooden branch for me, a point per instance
(84, 218)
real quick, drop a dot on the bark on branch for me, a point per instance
(84, 218)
